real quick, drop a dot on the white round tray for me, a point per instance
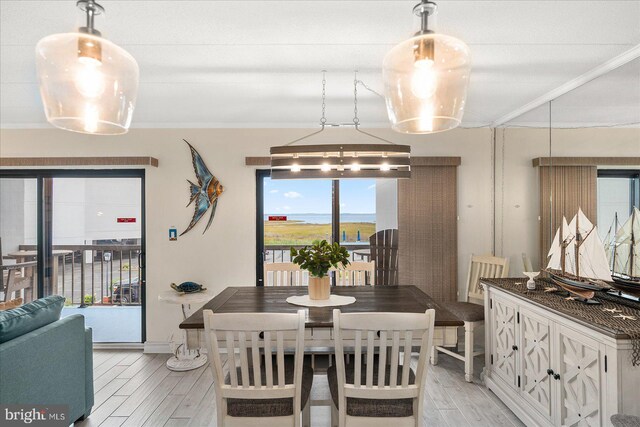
(333, 301)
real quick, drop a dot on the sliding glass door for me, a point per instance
(18, 227)
(297, 212)
(86, 242)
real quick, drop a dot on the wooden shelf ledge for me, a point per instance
(586, 161)
(78, 161)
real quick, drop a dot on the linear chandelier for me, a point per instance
(426, 79)
(338, 161)
(87, 83)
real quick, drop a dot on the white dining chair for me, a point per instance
(471, 311)
(356, 273)
(379, 388)
(264, 387)
(284, 274)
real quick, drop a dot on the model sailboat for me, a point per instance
(578, 262)
(625, 256)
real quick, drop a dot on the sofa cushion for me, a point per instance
(29, 317)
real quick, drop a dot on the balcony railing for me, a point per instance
(96, 274)
(282, 253)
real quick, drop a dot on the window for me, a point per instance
(297, 212)
(618, 193)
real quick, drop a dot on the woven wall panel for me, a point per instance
(564, 189)
(427, 224)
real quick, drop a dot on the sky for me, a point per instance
(314, 196)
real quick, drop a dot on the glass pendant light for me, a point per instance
(87, 83)
(426, 79)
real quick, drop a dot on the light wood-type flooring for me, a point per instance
(136, 389)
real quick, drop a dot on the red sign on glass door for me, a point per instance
(125, 220)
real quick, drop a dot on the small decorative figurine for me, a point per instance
(187, 288)
(531, 284)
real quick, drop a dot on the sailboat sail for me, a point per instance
(593, 260)
(555, 252)
(627, 249)
(610, 242)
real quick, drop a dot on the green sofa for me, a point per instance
(49, 365)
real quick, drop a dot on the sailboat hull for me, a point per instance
(574, 282)
(629, 286)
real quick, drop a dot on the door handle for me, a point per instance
(556, 377)
(141, 260)
(514, 347)
(550, 372)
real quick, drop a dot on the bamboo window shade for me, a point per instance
(428, 231)
(564, 189)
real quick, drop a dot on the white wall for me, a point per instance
(386, 204)
(225, 255)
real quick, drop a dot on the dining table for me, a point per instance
(319, 320)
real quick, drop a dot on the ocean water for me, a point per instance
(326, 218)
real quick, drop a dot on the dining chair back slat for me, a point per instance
(370, 332)
(395, 356)
(280, 357)
(483, 266)
(358, 359)
(382, 358)
(244, 366)
(284, 274)
(356, 273)
(248, 340)
(370, 353)
(255, 355)
(268, 356)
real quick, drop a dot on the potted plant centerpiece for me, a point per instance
(317, 259)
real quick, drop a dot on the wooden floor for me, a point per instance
(136, 389)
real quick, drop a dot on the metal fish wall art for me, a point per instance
(205, 194)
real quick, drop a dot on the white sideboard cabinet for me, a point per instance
(552, 369)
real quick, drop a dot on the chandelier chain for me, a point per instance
(323, 119)
(356, 120)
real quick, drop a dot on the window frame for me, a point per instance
(634, 183)
(261, 174)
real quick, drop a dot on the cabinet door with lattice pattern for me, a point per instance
(535, 360)
(580, 379)
(504, 340)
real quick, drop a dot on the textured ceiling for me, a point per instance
(258, 63)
